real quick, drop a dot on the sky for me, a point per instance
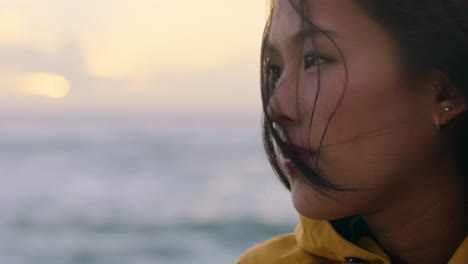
(66, 56)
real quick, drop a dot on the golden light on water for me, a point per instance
(44, 84)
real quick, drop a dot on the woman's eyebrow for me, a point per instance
(310, 32)
(306, 32)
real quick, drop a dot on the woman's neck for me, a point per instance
(426, 222)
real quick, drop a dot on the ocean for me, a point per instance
(110, 189)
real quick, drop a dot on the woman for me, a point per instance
(366, 124)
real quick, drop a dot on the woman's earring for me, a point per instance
(446, 109)
(437, 121)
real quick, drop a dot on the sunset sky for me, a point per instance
(130, 56)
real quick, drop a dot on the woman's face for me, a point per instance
(381, 137)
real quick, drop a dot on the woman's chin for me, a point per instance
(314, 204)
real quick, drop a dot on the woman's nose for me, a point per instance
(283, 104)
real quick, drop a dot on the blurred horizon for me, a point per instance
(136, 190)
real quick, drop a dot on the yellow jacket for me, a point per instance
(318, 242)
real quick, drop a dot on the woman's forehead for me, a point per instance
(345, 18)
(285, 19)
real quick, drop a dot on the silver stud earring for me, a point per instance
(447, 109)
(434, 88)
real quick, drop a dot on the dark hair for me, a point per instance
(432, 35)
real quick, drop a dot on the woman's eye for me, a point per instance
(276, 71)
(311, 60)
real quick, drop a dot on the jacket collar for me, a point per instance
(321, 238)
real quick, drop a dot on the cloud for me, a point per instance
(139, 38)
(33, 25)
(14, 27)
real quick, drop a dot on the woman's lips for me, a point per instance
(291, 167)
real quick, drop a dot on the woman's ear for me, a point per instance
(449, 102)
